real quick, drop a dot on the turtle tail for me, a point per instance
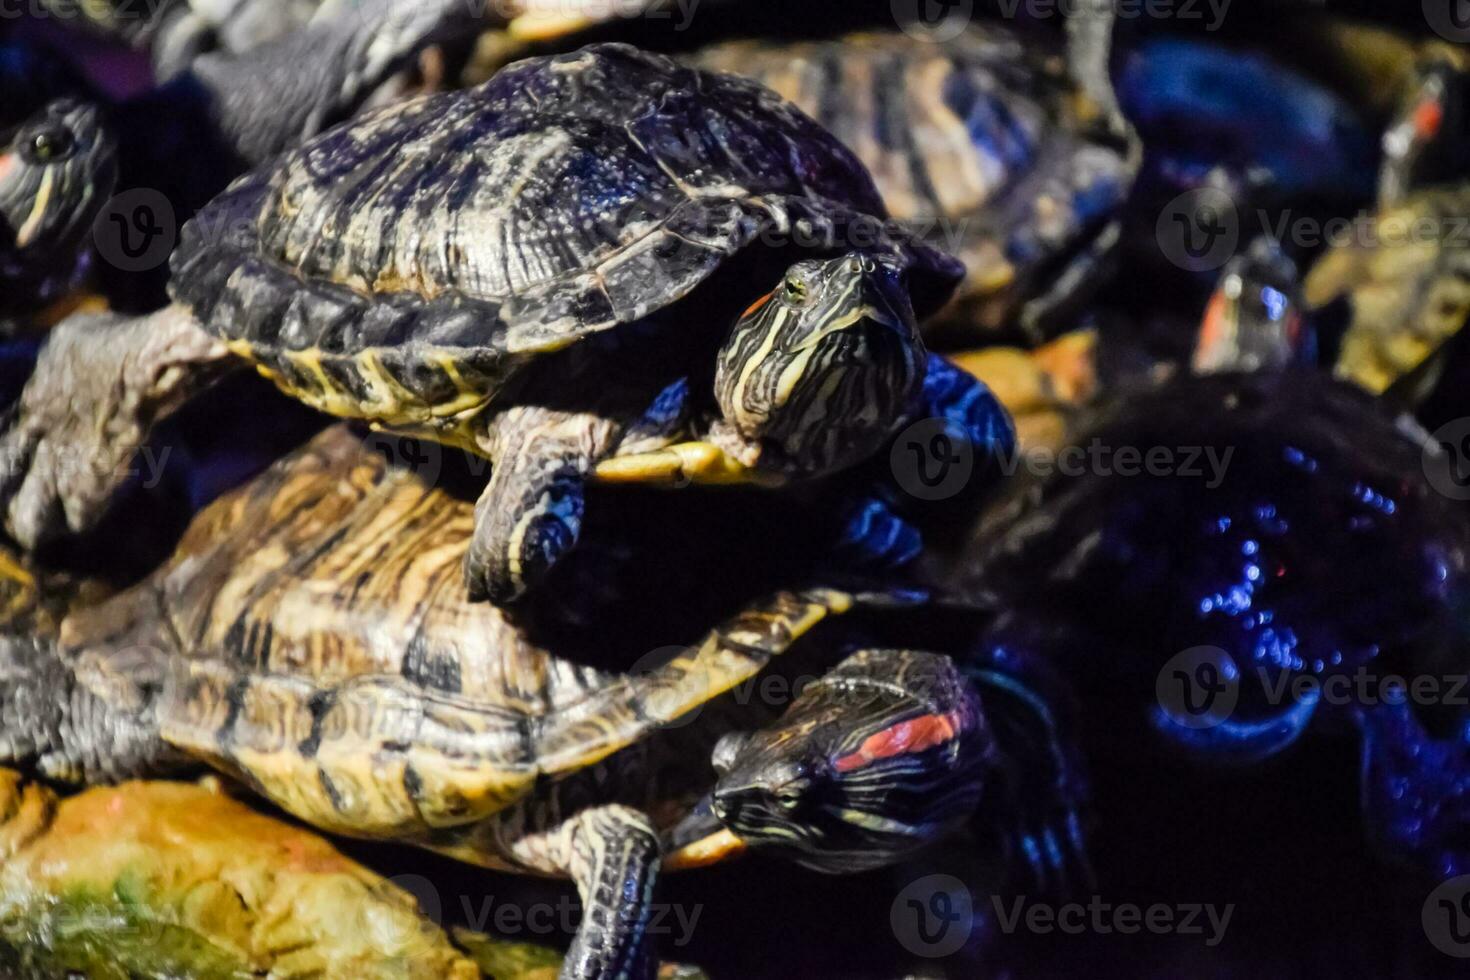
(75, 730)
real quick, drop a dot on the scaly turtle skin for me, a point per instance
(314, 638)
(1404, 276)
(982, 144)
(548, 270)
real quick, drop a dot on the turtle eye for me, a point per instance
(51, 144)
(795, 290)
(789, 798)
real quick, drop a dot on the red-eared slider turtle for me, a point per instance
(313, 637)
(1404, 274)
(549, 270)
(983, 144)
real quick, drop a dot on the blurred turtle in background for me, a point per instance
(178, 144)
(990, 144)
(1268, 534)
(1402, 277)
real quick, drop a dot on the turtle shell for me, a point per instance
(1408, 291)
(403, 266)
(979, 143)
(318, 643)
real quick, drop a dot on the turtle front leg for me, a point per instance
(612, 854)
(100, 384)
(531, 511)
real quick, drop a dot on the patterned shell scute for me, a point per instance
(567, 194)
(943, 128)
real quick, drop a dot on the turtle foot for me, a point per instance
(99, 384)
(531, 511)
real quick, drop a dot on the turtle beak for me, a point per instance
(684, 464)
(699, 839)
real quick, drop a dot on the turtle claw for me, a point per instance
(531, 511)
(99, 383)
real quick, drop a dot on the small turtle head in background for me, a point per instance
(57, 169)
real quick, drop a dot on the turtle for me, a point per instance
(1296, 549)
(1402, 277)
(179, 144)
(1254, 320)
(313, 638)
(982, 142)
(548, 270)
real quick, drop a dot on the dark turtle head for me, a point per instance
(884, 755)
(57, 169)
(816, 375)
(1254, 319)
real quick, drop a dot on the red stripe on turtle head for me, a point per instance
(904, 738)
(1428, 117)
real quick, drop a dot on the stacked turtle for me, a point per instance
(609, 267)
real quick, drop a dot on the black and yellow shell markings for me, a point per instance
(323, 649)
(405, 267)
